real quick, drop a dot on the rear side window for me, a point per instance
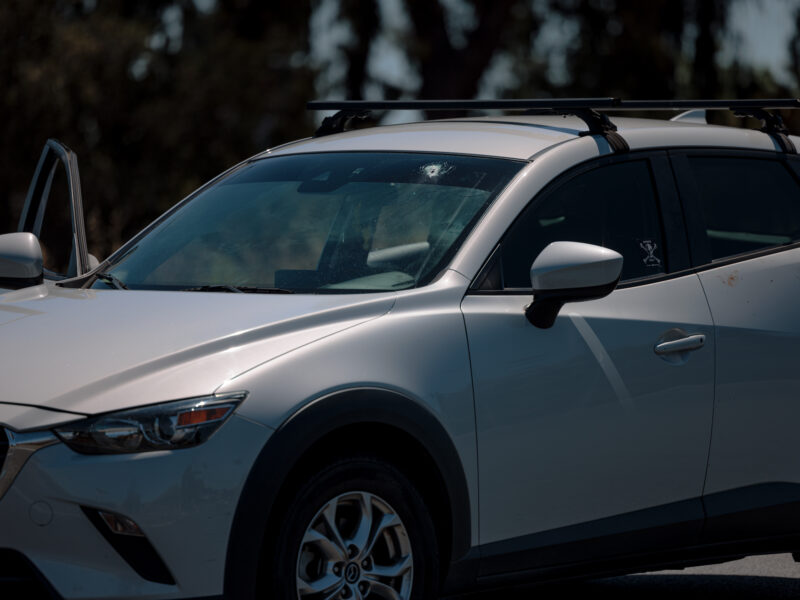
(748, 203)
(614, 206)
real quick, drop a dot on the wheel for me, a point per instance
(357, 530)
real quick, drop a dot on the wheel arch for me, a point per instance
(304, 439)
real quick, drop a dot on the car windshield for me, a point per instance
(333, 222)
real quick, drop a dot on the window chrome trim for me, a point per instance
(21, 446)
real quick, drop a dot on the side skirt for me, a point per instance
(759, 519)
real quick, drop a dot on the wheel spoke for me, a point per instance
(387, 521)
(335, 593)
(329, 516)
(330, 549)
(327, 584)
(389, 571)
(386, 592)
(362, 535)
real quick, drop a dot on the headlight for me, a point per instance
(167, 426)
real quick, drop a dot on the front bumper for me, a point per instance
(184, 502)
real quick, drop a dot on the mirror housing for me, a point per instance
(570, 272)
(20, 260)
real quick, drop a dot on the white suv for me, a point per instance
(409, 361)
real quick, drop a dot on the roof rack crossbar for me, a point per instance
(599, 124)
(772, 124)
(584, 108)
(513, 104)
(554, 103)
(340, 121)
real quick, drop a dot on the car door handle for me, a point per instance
(690, 342)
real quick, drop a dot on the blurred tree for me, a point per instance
(449, 56)
(710, 18)
(621, 49)
(447, 70)
(363, 17)
(158, 96)
(155, 96)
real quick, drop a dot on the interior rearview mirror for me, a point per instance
(20, 260)
(570, 272)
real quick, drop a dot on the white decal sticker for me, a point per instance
(650, 260)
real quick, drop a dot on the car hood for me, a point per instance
(93, 351)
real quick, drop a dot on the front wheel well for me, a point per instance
(385, 442)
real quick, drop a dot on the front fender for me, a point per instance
(298, 434)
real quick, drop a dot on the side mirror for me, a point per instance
(93, 263)
(570, 272)
(20, 260)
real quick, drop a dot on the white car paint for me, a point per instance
(150, 346)
(565, 265)
(585, 418)
(758, 379)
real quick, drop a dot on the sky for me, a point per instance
(765, 27)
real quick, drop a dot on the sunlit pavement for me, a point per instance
(762, 577)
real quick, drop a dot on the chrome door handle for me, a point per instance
(690, 342)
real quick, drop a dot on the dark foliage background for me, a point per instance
(157, 96)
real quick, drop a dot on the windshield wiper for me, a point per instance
(111, 280)
(238, 289)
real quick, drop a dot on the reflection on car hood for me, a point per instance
(91, 351)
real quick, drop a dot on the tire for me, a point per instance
(325, 551)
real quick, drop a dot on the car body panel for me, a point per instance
(166, 345)
(447, 137)
(712, 136)
(183, 499)
(758, 380)
(524, 136)
(586, 409)
(20, 417)
(418, 351)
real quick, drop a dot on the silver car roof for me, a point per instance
(523, 137)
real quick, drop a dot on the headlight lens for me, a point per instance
(167, 426)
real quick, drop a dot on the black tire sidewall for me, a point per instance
(367, 474)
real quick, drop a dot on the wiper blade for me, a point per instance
(238, 289)
(111, 280)
(213, 288)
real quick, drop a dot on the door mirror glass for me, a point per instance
(570, 272)
(20, 260)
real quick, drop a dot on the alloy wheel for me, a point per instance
(355, 548)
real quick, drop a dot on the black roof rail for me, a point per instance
(583, 108)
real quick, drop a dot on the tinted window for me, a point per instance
(55, 237)
(613, 206)
(330, 222)
(748, 203)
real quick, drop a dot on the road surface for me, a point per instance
(757, 577)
